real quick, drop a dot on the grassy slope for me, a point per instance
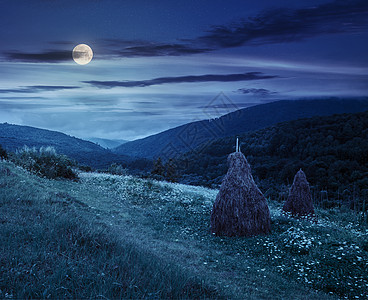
(53, 245)
(122, 236)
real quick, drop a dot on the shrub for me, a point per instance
(45, 162)
(158, 168)
(116, 169)
(85, 168)
(3, 154)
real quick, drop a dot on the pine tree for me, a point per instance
(171, 171)
(3, 154)
(158, 168)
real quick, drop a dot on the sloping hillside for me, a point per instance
(107, 143)
(331, 150)
(124, 237)
(175, 141)
(13, 137)
(54, 245)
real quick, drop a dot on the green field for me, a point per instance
(110, 236)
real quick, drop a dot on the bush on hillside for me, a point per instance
(158, 168)
(116, 169)
(3, 154)
(45, 162)
(85, 168)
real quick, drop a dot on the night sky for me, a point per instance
(160, 64)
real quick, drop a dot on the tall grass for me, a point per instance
(53, 247)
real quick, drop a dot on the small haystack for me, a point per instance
(299, 202)
(240, 208)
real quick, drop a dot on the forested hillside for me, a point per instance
(331, 150)
(179, 140)
(107, 143)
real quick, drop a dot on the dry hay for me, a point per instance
(240, 208)
(299, 202)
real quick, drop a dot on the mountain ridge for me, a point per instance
(106, 143)
(13, 137)
(173, 142)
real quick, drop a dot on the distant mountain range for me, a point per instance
(13, 137)
(137, 155)
(107, 143)
(176, 141)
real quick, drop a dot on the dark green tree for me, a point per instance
(3, 154)
(117, 169)
(171, 171)
(158, 168)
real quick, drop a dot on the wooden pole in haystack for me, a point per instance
(299, 202)
(240, 209)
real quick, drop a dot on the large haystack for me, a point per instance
(299, 202)
(240, 208)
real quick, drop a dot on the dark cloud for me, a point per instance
(48, 56)
(117, 43)
(7, 105)
(113, 109)
(286, 25)
(144, 102)
(160, 50)
(37, 88)
(111, 48)
(268, 27)
(21, 98)
(64, 43)
(231, 106)
(257, 92)
(182, 79)
(137, 48)
(95, 101)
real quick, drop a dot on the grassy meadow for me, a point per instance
(108, 236)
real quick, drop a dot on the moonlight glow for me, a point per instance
(82, 54)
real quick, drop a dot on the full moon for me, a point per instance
(82, 54)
